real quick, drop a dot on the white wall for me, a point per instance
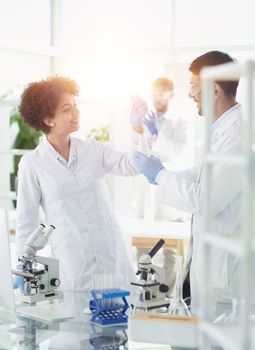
(118, 24)
(215, 23)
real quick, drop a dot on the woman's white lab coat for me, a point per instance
(186, 190)
(88, 238)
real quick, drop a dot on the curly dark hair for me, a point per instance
(214, 58)
(40, 99)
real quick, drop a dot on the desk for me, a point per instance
(175, 234)
(17, 333)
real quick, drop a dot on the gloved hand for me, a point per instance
(148, 166)
(18, 281)
(150, 122)
(137, 111)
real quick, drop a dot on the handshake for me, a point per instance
(139, 114)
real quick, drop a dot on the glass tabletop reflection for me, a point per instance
(23, 333)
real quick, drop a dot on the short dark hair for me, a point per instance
(214, 58)
(40, 99)
(163, 84)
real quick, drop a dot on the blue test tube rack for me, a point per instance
(109, 306)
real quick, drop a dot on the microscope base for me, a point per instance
(152, 304)
(34, 298)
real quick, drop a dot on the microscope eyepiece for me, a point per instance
(156, 248)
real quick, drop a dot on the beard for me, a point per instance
(160, 108)
(199, 107)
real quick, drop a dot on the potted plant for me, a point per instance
(100, 134)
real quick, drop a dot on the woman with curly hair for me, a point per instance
(65, 177)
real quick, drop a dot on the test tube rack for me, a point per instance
(109, 306)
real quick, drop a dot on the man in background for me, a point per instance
(166, 137)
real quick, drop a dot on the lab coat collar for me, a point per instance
(161, 120)
(72, 155)
(225, 121)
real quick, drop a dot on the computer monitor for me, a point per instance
(6, 285)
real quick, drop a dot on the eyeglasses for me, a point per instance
(194, 90)
(163, 95)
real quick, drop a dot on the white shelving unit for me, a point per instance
(239, 334)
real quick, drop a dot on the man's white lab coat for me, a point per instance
(185, 190)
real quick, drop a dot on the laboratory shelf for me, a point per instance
(229, 71)
(238, 335)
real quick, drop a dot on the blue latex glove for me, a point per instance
(18, 281)
(148, 166)
(150, 122)
(137, 111)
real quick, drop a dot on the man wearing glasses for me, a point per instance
(186, 189)
(166, 134)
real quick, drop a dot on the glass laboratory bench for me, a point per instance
(19, 333)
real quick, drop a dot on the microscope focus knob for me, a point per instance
(163, 288)
(55, 282)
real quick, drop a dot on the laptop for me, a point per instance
(7, 296)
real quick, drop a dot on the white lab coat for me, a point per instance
(168, 145)
(171, 139)
(186, 190)
(88, 238)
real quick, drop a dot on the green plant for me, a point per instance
(100, 134)
(26, 138)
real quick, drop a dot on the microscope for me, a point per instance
(151, 293)
(41, 274)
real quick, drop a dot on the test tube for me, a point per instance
(115, 286)
(143, 146)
